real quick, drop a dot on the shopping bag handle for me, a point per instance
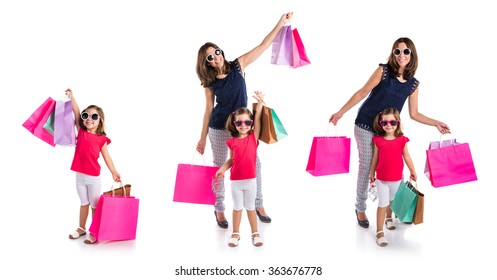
(193, 159)
(328, 130)
(452, 138)
(120, 185)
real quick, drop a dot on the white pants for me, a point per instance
(244, 193)
(89, 189)
(386, 191)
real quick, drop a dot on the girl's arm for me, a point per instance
(252, 55)
(410, 165)
(373, 81)
(75, 108)
(417, 116)
(209, 105)
(110, 164)
(374, 163)
(225, 166)
(258, 113)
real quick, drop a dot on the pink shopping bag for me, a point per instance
(450, 165)
(64, 129)
(37, 120)
(436, 145)
(115, 218)
(194, 184)
(329, 155)
(282, 47)
(298, 51)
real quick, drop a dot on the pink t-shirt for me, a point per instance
(88, 147)
(244, 157)
(390, 158)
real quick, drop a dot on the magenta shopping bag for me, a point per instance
(37, 120)
(329, 155)
(282, 47)
(450, 165)
(64, 129)
(194, 184)
(436, 145)
(115, 218)
(298, 51)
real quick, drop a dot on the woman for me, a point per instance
(390, 86)
(224, 81)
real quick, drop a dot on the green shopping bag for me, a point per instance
(404, 202)
(49, 124)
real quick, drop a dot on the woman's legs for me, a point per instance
(259, 198)
(364, 139)
(218, 139)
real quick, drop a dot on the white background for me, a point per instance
(136, 59)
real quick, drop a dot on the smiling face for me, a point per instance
(243, 124)
(91, 119)
(214, 57)
(402, 59)
(389, 124)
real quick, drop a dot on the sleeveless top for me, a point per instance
(230, 93)
(390, 92)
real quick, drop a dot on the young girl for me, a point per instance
(244, 129)
(389, 153)
(91, 141)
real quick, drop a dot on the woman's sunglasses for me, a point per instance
(397, 51)
(210, 57)
(246, 122)
(85, 116)
(391, 122)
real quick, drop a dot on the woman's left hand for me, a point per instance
(443, 128)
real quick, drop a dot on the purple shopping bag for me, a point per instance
(329, 155)
(298, 51)
(194, 184)
(37, 120)
(64, 129)
(450, 165)
(115, 218)
(282, 47)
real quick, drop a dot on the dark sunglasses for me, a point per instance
(246, 122)
(397, 51)
(210, 57)
(391, 122)
(85, 116)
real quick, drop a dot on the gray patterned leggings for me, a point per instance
(364, 139)
(218, 139)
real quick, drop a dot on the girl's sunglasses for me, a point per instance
(85, 116)
(210, 57)
(391, 122)
(397, 51)
(246, 122)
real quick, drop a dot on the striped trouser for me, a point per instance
(364, 139)
(218, 138)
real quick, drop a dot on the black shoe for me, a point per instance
(264, 219)
(221, 224)
(364, 224)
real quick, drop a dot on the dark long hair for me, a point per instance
(205, 72)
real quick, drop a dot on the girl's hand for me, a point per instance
(286, 18)
(259, 96)
(69, 93)
(371, 179)
(413, 176)
(116, 176)
(219, 174)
